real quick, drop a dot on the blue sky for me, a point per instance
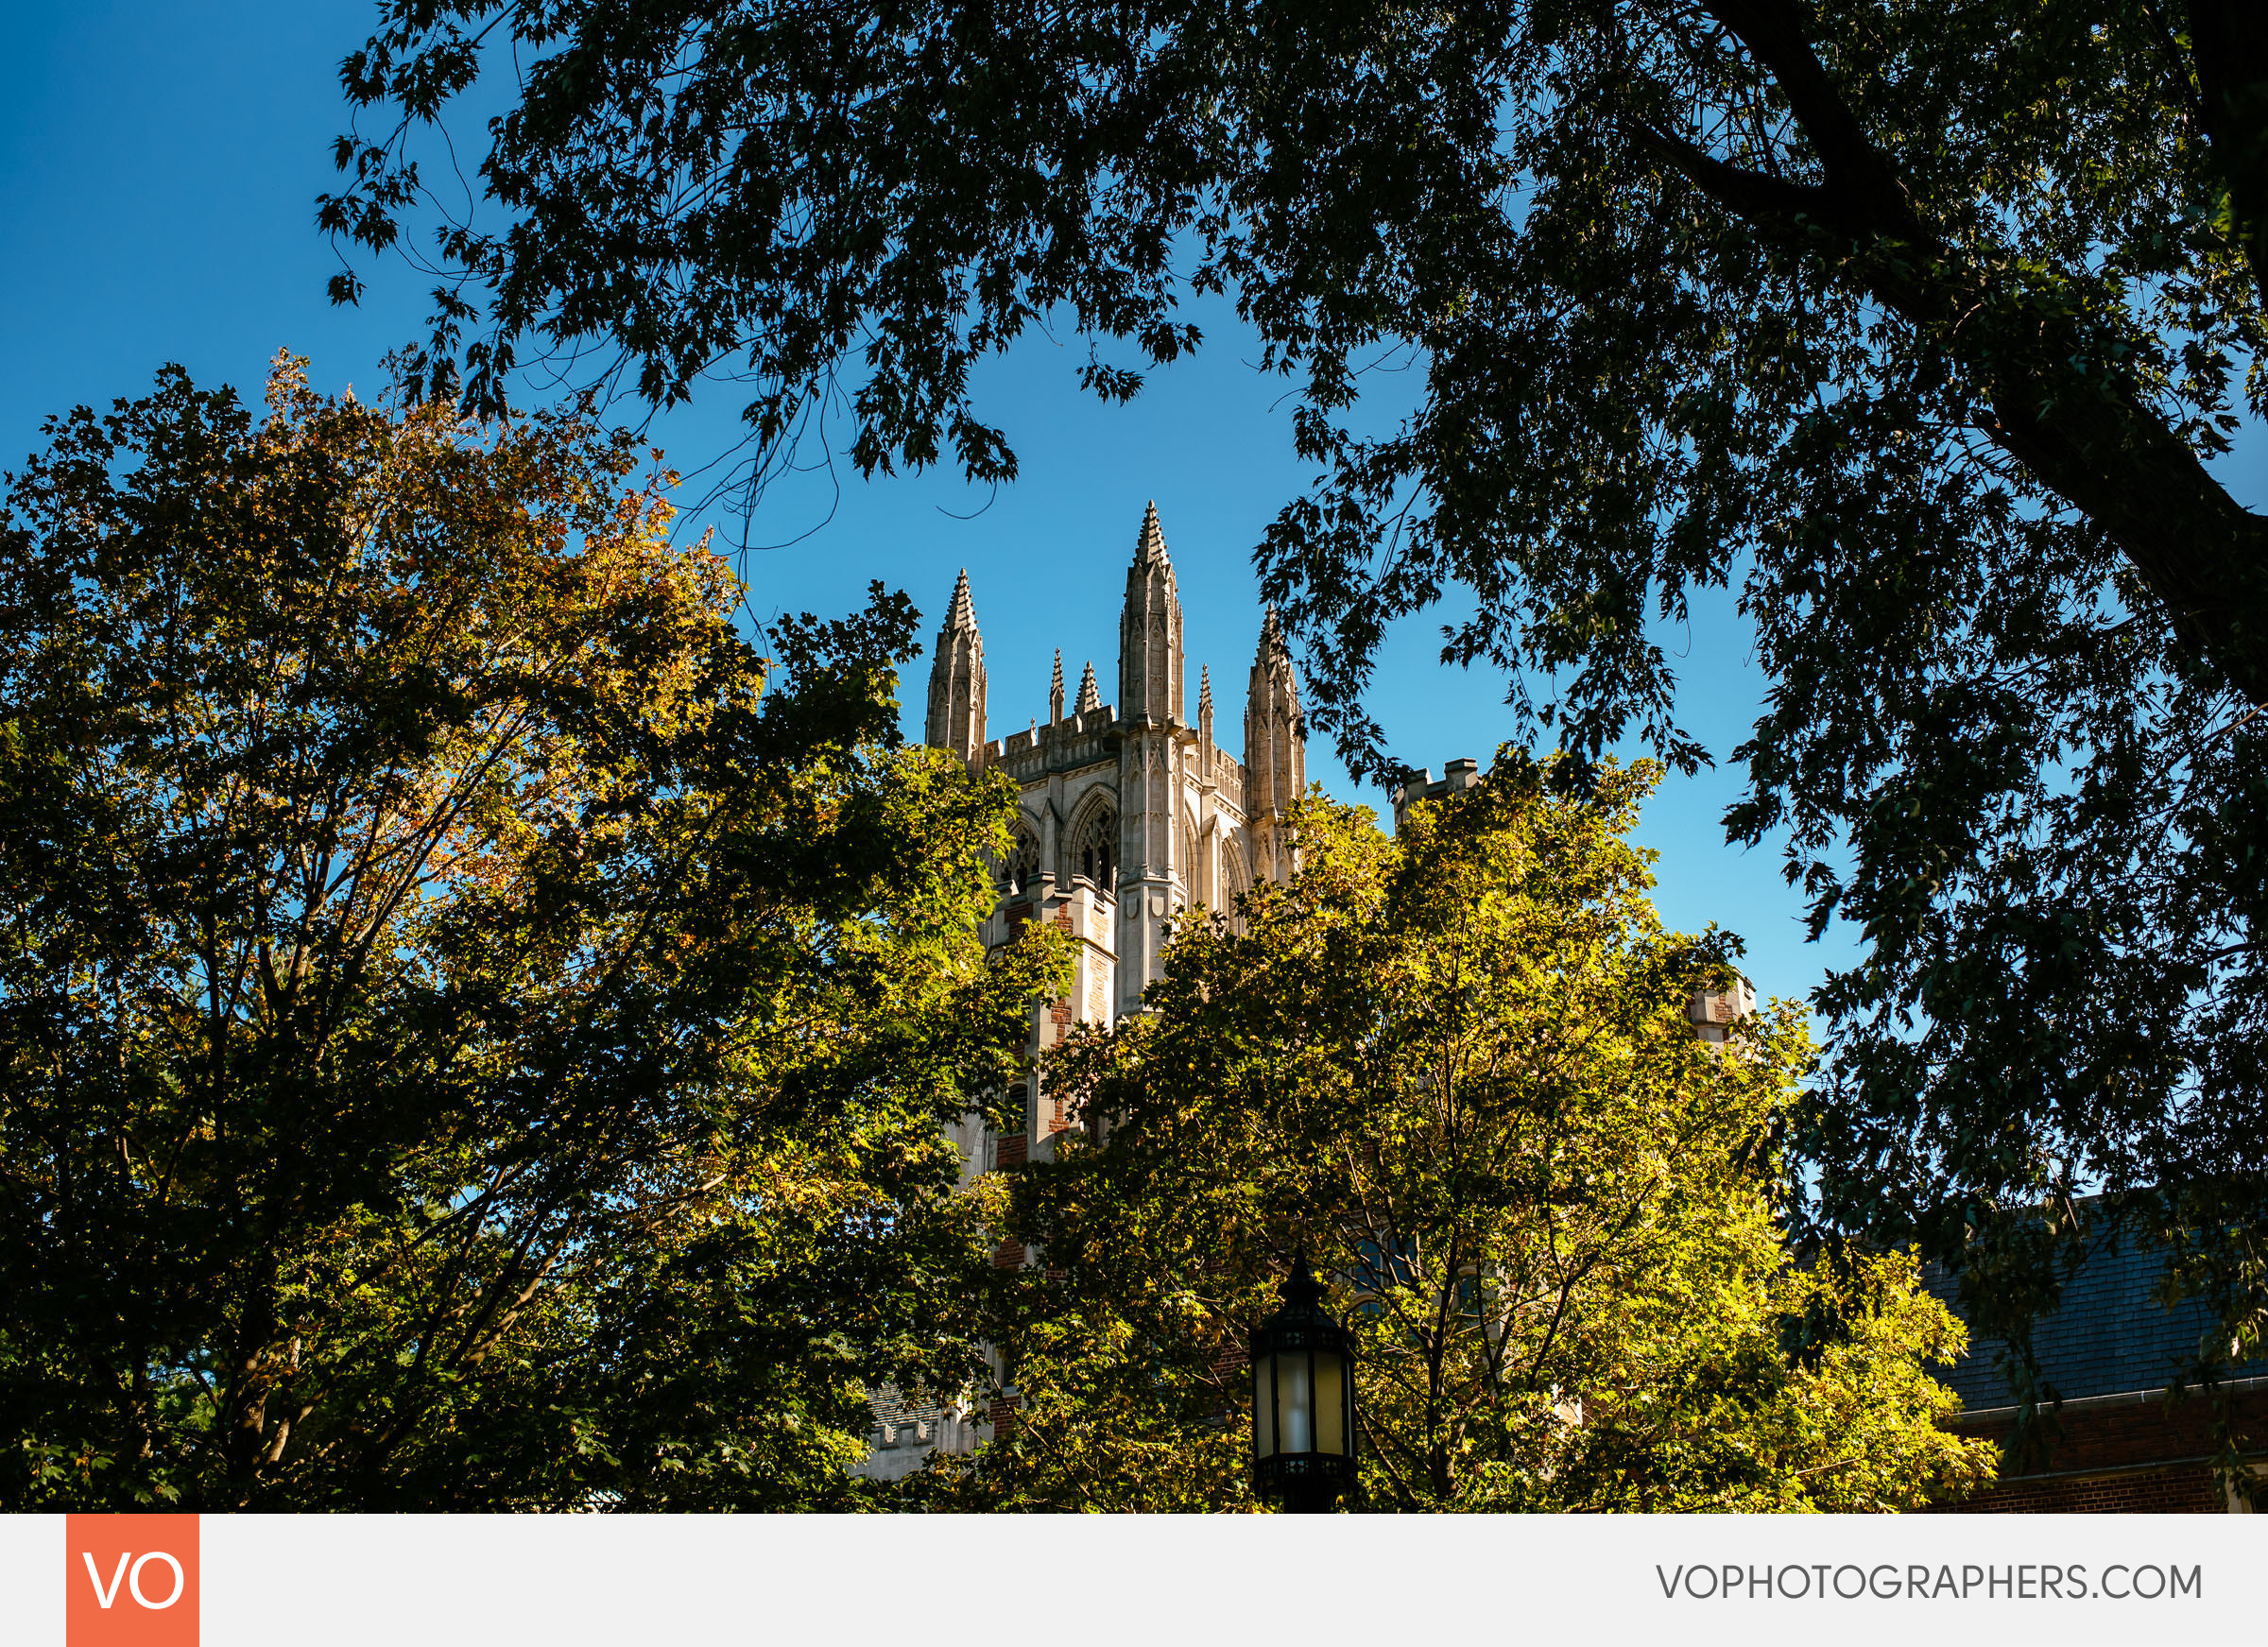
(159, 166)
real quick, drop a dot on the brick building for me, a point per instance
(2113, 1354)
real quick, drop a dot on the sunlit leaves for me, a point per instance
(1913, 325)
(1455, 1069)
(473, 1032)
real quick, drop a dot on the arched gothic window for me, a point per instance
(1235, 882)
(1094, 851)
(1022, 866)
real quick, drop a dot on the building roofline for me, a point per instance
(2120, 1398)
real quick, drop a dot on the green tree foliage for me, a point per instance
(472, 1033)
(1455, 1067)
(1920, 325)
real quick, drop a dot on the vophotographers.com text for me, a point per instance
(1887, 1581)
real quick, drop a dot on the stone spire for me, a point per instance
(1275, 746)
(1091, 695)
(1151, 684)
(957, 680)
(1155, 874)
(1150, 545)
(1055, 692)
(1205, 717)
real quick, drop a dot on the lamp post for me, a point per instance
(1302, 1400)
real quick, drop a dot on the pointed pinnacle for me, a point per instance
(962, 613)
(1088, 697)
(1055, 691)
(1150, 546)
(1203, 689)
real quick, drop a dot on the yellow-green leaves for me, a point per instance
(1455, 1068)
(472, 1033)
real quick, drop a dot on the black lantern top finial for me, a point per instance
(1299, 1307)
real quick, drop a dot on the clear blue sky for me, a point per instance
(158, 166)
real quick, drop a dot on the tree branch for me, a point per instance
(2053, 393)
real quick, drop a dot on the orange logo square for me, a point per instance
(130, 1581)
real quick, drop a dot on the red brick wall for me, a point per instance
(2171, 1490)
(2145, 1456)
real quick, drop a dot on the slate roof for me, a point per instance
(2109, 1337)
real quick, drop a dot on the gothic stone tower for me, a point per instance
(1130, 814)
(957, 680)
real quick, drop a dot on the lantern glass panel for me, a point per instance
(1263, 1406)
(1330, 1403)
(1295, 1401)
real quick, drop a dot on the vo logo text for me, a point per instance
(130, 1581)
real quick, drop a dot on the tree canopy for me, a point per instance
(473, 1032)
(1455, 1068)
(1919, 325)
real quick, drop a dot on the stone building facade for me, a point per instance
(1132, 812)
